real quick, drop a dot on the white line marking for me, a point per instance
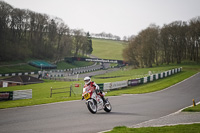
(165, 116)
(172, 124)
(160, 118)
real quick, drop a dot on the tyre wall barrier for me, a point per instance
(159, 75)
(134, 82)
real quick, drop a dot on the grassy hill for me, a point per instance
(107, 49)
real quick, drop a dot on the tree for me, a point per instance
(62, 30)
(27, 34)
(174, 42)
(193, 38)
(131, 53)
(78, 41)
(5, 11)
(89, 44)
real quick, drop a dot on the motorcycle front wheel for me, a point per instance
(92, 107)
(108, 107)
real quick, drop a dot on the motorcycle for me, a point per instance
(94, 102)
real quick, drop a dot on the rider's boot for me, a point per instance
(104, 100)
(102, 97)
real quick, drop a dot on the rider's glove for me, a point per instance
(97, 91)
(82, 98)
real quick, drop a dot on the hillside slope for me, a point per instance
(107, 49)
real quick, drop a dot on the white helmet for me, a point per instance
(87, 80)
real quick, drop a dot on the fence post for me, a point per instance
(51, 92)
(70, 93)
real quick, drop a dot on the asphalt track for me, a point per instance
(74, 117)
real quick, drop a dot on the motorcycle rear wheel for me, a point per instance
(92, 107)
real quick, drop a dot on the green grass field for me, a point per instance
(41, 92)
(107, 49)
(40, 95)
(192, 128)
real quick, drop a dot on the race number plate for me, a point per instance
(87, 96)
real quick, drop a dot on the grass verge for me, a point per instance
(192, 128)
(193, 109)
(40, 94)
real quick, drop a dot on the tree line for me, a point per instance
(104, 35)
(172, 43)
(27, 34)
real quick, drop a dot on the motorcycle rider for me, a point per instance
(88, 82)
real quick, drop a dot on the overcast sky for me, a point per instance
(119, 17)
